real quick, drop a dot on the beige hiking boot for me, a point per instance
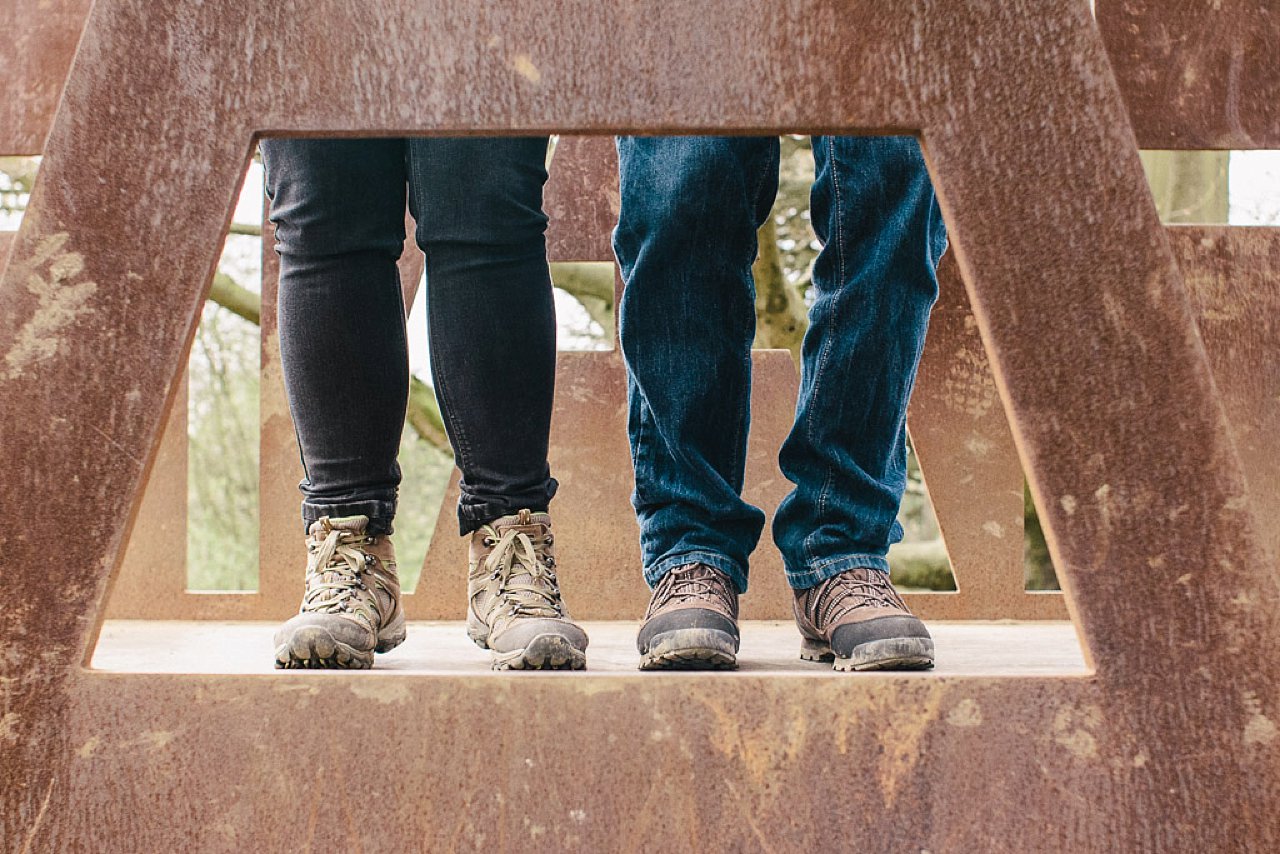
(351, 608)
(514, 607)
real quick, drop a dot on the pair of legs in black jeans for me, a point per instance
(338, 207)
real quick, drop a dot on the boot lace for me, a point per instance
(851, 590)
(522, 577)
(695, 582)
(336, 568)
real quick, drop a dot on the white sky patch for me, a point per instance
(1254, 193)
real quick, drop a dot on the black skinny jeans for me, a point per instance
(338, 208)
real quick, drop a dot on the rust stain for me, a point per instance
(39, 819)
(1258, 729)
(902, 738)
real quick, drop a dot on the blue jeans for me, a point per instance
(338, 208)
(686, 240)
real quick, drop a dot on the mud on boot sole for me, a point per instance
(544, 652)
(315, 648)
(887, 654)
(691, 649)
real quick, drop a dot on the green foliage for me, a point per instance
(426, 470)
(222, 454)
(1038, 566)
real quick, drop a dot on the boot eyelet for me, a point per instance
(368, 560)
(489, 542)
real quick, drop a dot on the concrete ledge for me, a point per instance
(442, 649)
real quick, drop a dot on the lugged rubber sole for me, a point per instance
(691, 649)
(314, 648)
(544, 652)
(886, 654)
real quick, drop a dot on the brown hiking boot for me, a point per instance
(692, 622)
(858, 620)
(351, 608)
(514, 607)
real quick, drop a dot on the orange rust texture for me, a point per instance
(1197, 73)
(40, 39)
(1075, 294)
(973, 472)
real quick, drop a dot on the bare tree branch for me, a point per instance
(423, 414)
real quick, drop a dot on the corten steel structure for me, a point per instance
(1223, 74)
(1075, 293)
(1197, 73)
(975, 476)
(41, 39)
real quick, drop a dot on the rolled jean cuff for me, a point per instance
(474, 513)
(473, 517)
(381, 513)
(653, 574)
(811, 576)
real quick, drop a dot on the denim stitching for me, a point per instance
(824, 355)
(742, 423)
(458, 434)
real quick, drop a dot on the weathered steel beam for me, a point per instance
(1197, 73)
(41, 37)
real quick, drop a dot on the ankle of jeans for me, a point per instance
(804, 577)
(381, 513)
(730, 567)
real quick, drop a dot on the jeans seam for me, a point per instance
(835, 185)
(824, 354)
(442, 382)
(641, 457)
(742, 424)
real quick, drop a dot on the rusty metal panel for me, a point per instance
(1076, 297)
(154, 577)
(971, 467)
(1194, 73)
(1197, 73)
(1231, 274)
(581, 199)
(41, 38)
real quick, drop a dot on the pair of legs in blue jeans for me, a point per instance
(686, 240)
